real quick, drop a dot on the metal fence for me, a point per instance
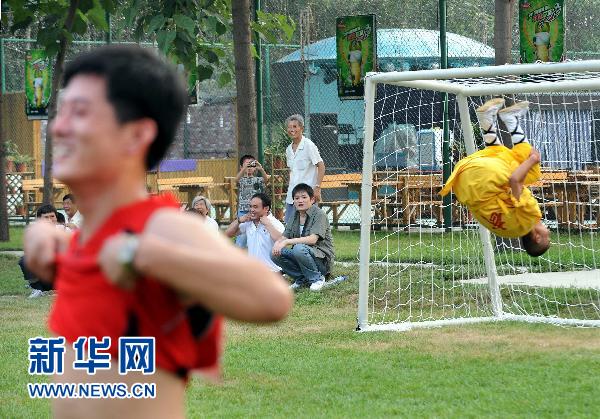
(205, 144)
(301, 78)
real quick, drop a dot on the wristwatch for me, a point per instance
(127, 253)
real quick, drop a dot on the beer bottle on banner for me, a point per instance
(541, 30)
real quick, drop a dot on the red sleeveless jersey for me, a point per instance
(87, 304)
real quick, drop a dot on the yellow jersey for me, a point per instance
(481, 182)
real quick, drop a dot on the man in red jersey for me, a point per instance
(138, 266)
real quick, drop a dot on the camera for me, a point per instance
(253, 163)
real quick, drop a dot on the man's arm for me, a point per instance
(42, 242)
(320, 175)
(273, 231)
(311, 240)
(264, 174)
(234, 228)
(242, 171)
(284, 241)
(180, 251)
(517, 178)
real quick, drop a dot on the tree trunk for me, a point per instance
(244, 74)
(4, 232)
(52, 106)
(504, 12)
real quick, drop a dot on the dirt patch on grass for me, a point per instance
(481, 340)
(517, 337)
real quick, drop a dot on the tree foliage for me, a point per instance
(48, 18)
(198, 33)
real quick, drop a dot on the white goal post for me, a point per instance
(426, 262)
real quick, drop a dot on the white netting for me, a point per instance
(427, 260)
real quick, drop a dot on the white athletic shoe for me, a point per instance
(36, 294)
(486, 115)
(511, 117)
(317, 285)
(295, 286)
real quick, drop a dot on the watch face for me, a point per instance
(127, 252)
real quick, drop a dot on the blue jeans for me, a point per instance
(241, 240)
(300, 264)
(290, 210)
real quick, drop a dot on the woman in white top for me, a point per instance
(201, 205)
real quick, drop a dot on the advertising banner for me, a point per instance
(542, 30)
(356, 41)
(38, 84)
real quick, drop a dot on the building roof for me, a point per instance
(402, 43)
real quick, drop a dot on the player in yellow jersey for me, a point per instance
(492, 182)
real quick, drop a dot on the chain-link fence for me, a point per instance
(297, 78)
(205, 147)
(302, 78)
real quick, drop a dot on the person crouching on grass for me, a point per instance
(310, 258)
(138, 266)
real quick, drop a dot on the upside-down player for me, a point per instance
(138, 266)
(492, 182)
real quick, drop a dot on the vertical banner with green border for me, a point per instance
(542, 30)
(38, 84)
(356, 41)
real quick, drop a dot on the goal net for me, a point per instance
(424, 260)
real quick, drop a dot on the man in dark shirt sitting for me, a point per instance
(47, 213)
(310, 257)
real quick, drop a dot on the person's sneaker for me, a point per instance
(511, 117)
(486, 115)
(36, 294)
(317, 285)
(295, 286)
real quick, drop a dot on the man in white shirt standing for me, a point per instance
(261, 229)
(74, 218)
(305, 163)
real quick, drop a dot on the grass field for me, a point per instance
(449, 249)
(313, 364)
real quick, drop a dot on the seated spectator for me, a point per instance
(47, 213)
(201, 205)
(74, 217)
(260, 228)
(251, 179)
(310, 257)
(60, 219)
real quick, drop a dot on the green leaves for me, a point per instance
(196, 33)
(185, 23)
(224, 79)
(97, 16)
(205, 72)
(156, 23)
(164, 38)
(273, 26)
(49, 17)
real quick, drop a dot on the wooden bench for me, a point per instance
(339, 181)
(193, 186)
(419, 192)
(174, 183)
(35, 187)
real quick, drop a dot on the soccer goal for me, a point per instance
(424, 260)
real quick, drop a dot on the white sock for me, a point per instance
(517, 135)
(490, 136)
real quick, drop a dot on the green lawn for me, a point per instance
(459, 249)
(16, 239)
(314, 364)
